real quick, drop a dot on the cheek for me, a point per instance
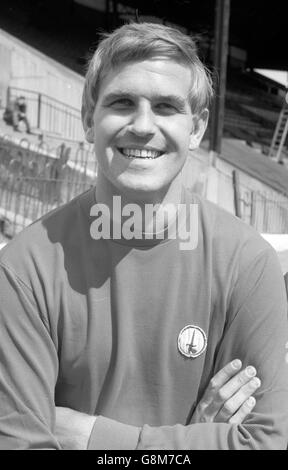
(109, 126)
(178, 133)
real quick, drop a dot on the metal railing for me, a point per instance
(264, 212)
(34, 181)
(48, 114)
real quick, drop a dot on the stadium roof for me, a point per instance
(256, 26)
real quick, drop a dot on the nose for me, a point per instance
(143, 123)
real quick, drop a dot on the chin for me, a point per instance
(142, 185)
(144, 191)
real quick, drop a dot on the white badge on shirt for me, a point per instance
(192, 341)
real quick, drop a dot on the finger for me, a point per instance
(234, 385)
(206, 409)
(243, 411)
(221, 378)
(234, 403)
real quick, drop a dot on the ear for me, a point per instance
(200, 123)
(89, 134)
(87, 122)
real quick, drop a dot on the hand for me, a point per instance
(228, 397)
(73, 428)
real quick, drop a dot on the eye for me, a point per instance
(165, 105)
(166, 108)
(122, 103)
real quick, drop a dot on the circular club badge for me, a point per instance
(192, 341)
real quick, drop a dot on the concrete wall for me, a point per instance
(33, 70)
(24, 67)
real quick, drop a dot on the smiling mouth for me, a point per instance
(145, 154)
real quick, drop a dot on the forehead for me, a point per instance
(146, 77)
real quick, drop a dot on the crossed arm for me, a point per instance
(227, 399)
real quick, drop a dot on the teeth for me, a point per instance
(132, 153)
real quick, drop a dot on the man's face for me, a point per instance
(142, 125)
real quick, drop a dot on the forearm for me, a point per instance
(108, 434)
(210, 436)
(78, 431)
(73, 428)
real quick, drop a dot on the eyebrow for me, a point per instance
(175, 99)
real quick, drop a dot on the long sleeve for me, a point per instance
(256, 332)
(109, 434)
(28, 367)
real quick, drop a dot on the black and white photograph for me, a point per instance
(143, 227)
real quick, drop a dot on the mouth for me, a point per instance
(144, 154)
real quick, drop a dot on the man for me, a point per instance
(140, 330)
(19, 113)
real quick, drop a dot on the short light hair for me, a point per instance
(141, 41)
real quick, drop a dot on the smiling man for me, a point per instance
(128, 341)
